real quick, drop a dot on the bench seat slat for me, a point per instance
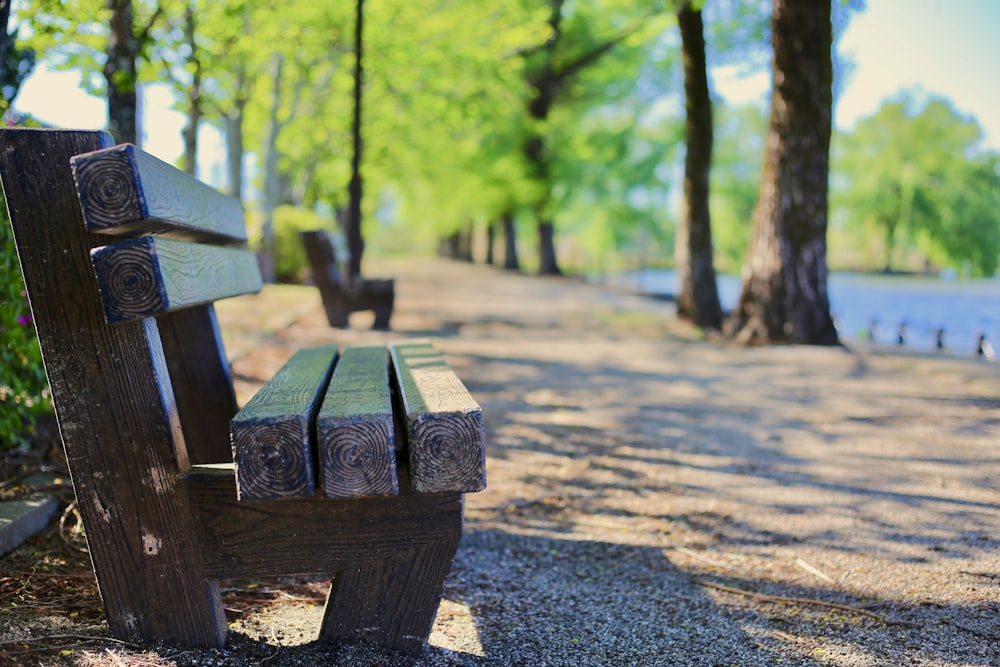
(272, 436)
(125, 191)
(445, 431)
(151, 275)
(355, 427)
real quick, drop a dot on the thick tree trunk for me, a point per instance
(784, 297)
(698, 295)
(538, 167)
(355, 241)
(120, 72)
(194, 97)
(510, 260)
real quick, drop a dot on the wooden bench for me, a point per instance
(344, 295)
(349, 462)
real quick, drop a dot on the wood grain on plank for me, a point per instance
(355, 427)
(273, 435)
(124, 190)
(200, 370)
(118, 436)
(151, 275)
(252, 539)
(445, 429)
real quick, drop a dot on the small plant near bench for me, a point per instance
(23, 389)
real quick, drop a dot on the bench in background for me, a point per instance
(341, 294)
(350, 463)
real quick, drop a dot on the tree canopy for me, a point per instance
(562, 117)
(914, 174)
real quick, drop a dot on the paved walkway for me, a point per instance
(635, 472)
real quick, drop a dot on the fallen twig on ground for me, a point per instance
(815, 571)
(808, 601)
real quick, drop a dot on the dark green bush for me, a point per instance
(24, 393)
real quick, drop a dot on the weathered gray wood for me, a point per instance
(124, 190)
(391, 554)
(403, 608)
(253, 539)
(159, 529)
(147, 276)
(341, 298)
(200, 373)
(273, 435)
(117, 419)
(355, 427)
(445, 432)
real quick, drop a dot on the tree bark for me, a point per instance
(355, 240)
(491, 232)
(5, 37)
(510, 259)
(698, 295)
(16, 64)
(120, 72)
(784, 296)
(235, 149)
(194, 97)
(464, 253)
(272, 181)
(547, 249)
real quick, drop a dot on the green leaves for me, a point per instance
(23, 386)
(913, 174)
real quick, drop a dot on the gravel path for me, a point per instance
(658, 500)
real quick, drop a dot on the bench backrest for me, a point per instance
(121, 237)
(125, 431)
(322, 257)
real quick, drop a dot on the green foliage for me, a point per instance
(610, 186)
(912, 176)
(23, 387)
(736, 162)
(290, 258)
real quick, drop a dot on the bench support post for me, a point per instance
(123, 454)
(399, 612)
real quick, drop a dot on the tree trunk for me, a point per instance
(510, 260)
(16, 64)
(272, 182)
(784, 297)
(355, 240)
(465, 243)
(491, 233)
(194, 97)
(234, 148)
(698, 294)
(6, 38)
(120, 72)
(547, 250)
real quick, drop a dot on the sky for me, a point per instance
(944, 47)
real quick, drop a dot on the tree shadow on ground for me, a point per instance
(597, 433)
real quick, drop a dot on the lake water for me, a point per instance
(963, 308)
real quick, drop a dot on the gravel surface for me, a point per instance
(654, 499)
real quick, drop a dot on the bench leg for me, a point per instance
(382, 315)
(390, 602)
